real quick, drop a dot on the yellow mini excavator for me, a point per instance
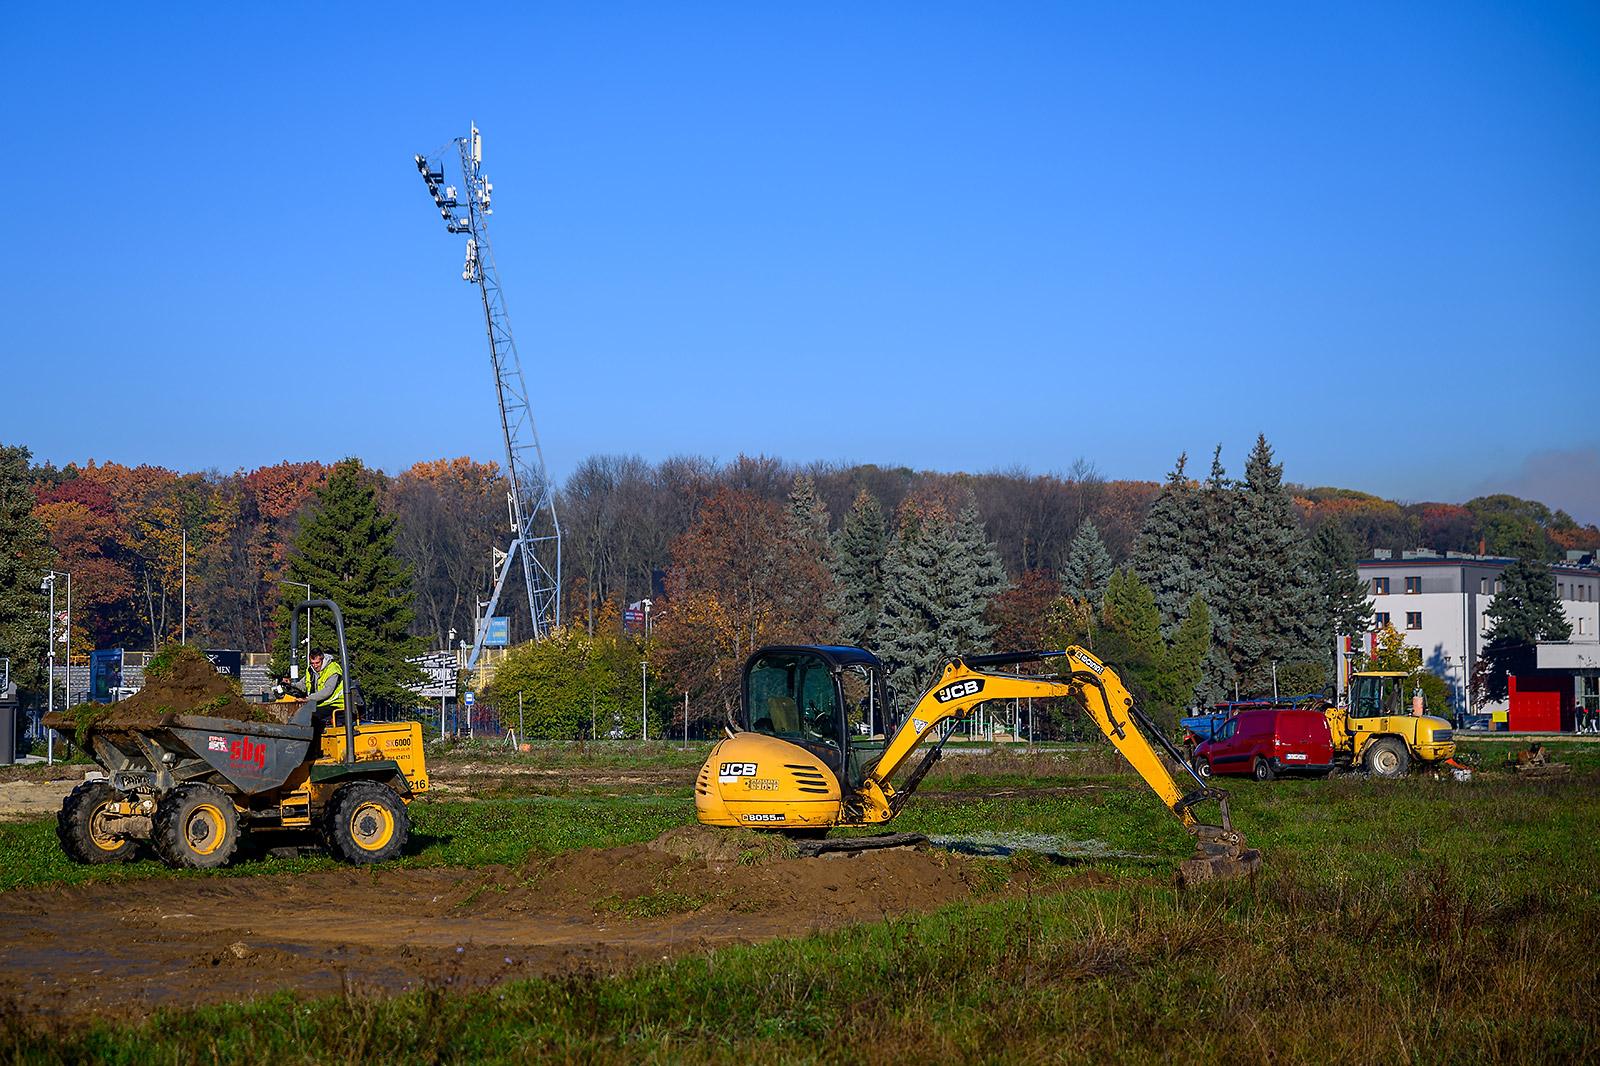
(804, 760)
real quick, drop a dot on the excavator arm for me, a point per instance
(1220, 850)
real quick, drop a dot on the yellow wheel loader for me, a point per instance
(1381, 733)
(803, 759)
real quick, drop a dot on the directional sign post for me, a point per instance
(469, 699)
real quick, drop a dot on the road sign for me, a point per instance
(439, 674)
(470, 700)
(498, 633)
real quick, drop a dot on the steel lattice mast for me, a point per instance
(534, 544)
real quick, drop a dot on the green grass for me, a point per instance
(1414, 920)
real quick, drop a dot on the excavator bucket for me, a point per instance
(1219, 855)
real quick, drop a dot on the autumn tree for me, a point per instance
(450, 519)
(738, 582)
(345, 551)
(1393, 653)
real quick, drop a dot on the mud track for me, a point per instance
(120, 949)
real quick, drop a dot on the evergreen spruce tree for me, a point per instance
(24, 558)
(939, 576)
(808, 518)
(1184, 659)
(1269, 607)
(974, 576)
(1168, 554)
(1344, 609)
(1524, 612)
(1088, 569)
(858, 571)
(345, 551)
(909, 625)
(806, 530)
(1130, 632)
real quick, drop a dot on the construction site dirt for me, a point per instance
(120, 949)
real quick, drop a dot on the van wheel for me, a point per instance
(1387, 757)
(1263, 770)
(365, 822)
(80, 826)
(196, 826)
(1202, 769)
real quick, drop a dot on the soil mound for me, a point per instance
(178, 680)
(711, 871)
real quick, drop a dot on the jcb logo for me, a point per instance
(959, 690)
(737, 769)
(1090, 661)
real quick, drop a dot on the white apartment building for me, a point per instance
(1438, 603)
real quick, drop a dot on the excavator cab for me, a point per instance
(828, 700)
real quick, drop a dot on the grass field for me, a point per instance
(1417, 920)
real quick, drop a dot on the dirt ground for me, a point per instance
(121, 949)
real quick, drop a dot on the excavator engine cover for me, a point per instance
(762, 782)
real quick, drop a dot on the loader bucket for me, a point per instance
(1219, 855)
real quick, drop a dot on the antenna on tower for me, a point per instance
(535, 529)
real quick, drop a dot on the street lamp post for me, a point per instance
(49, 585)
(644, 698)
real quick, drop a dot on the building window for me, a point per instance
(1499, 586)
(1413, 619)
(1380, 586)
(1583, 627)
(1561, 590)
(1413, 585)
(1483, 586)
(1381, 618)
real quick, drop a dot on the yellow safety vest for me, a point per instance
(330, 668)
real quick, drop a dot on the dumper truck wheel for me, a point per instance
(81, 825)
(196, 826)
(1387, 757)
(365, 822)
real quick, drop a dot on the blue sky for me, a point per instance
(951, 236)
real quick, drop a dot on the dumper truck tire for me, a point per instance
(365, 822)
(1387, 757)
(80, 826)
(196, 826)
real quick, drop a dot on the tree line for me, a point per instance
(917, 565)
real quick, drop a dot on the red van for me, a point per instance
(1267, 743)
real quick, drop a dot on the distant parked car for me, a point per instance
(1267, 743)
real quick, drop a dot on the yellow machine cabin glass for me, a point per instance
(1371, 697)
(793, 696)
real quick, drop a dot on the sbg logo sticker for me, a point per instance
(959, 690)
(729, 772)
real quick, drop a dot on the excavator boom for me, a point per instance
(1220, 848)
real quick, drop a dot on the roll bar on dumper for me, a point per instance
(188, 784)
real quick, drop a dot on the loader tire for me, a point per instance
(196, 826)
(1262, 770)
(1387, 757)
(81, 832)
(365, 822)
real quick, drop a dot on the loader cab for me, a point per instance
(1375, 693)
(828, 699)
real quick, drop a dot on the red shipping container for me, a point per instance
(1539, 703)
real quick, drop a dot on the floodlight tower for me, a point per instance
(536, 545)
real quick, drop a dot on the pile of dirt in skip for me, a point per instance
(179, 679)
(711, 870)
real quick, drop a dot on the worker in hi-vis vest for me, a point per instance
(325, 685)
